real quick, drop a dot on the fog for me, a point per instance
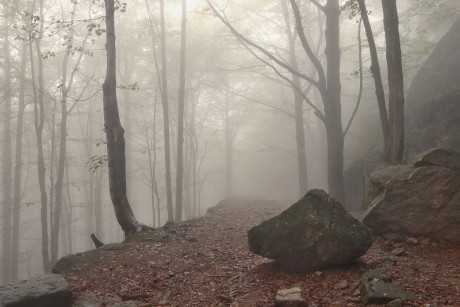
(240, 133)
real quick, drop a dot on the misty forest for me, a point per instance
(230, 153)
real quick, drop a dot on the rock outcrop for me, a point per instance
(432, 113)
(314, 233)
(40, 291)
(433, 98)
(421, 197)
(440, 74)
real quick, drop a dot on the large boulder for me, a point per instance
(421, 197)
(314, 233)
(40, 291)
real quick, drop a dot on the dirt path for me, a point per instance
(206, 262)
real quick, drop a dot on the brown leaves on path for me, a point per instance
(206, 262)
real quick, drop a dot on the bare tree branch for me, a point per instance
(318, 5)
(306, 46)
(264, 51)
(360, 55)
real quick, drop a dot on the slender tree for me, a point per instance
(18, 166)
(7, 152)
(180, 116)
(115, 134)
(328, 85)
(229, 145)
(65, 87)
(298, 107)
(39, 121)
(164, 96)
(375, 69)
(395, 144)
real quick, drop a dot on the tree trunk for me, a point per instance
(229, 142)
(98, 203)
(114, 134)
(375, 69)
(39, 120)
(6, 161)
(180, 116)
(66, 85)
(329, 87)
(69, 212)
(332, 106)
(395, 144)
(298, 109)
(164, 96)
(58, 187)
(18, 167)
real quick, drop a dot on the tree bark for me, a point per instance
(39, 120)
(69, 211)
(18, 167)
(7, 169)
(375, 69)
(229, 142)
(98, 203)
(332, 106)
(395, 144)
(180, 116)
(115, 134)
(164, 96)
(330, 88)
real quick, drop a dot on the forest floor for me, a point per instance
(206, 262)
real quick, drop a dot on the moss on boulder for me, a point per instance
(314, 233)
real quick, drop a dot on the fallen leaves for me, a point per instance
(206, 262)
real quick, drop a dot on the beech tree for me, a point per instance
(39, 121)
(164, 100)
(328, 84)
(395, 144)
(392, 122)
(115, 134)
(180, 116)
(7, 170)
(375, 69)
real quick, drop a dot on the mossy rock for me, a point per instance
(314, 233)
(75, 262)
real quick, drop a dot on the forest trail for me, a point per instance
(206, 262)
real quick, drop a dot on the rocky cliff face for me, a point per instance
(440, 75)
(432, 111)
(433, 98)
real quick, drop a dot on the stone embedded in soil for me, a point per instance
(381, 274)
(378, 292)
(314, 233)
(40, 291)
(398, 251)
(412, 241)
(290, 298)
(395, 303)
(342, 284)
